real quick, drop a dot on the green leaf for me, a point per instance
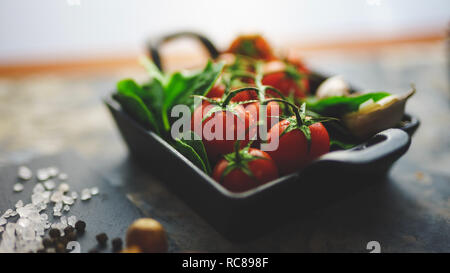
(129, 85)
(200, 84)
(153, 70)
(180, 88)
(212, 111)
(134, 106)
(305, 130)
(133, 99)
(340, 145)
(337, 106)
(292, 126)
(193, 140)
(190, 153)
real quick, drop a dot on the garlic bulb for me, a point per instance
(333, 86)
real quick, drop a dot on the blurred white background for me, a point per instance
(32, 31)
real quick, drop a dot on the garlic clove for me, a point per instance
(333, 86)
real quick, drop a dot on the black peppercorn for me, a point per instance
(54, 233)
(72, 236)
(68, 229)
(60, 248)
(62, 240)
(117, 244)
(80, 226)
(47, 242)
(102, 238)
(94, 250)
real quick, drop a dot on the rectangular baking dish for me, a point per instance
(243, 216)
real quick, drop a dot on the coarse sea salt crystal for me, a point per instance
(37, 198)
(46, 195)
(67, 200)
(63, 176)
(49, 184)
(38, 188)
(3, 221)
(24, 173)
(71, 220)
(56, 197)
(64, 187)
(66, 208)
(52, 171)
(19, 204)
(94, 191)
(85, 194)
(41, 206)
(58, 206)
(74, 195)
(23, 222)
(18, 187)
(42, 174)
(7, 213)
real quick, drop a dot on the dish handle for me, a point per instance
(388, 144)
(154, 46)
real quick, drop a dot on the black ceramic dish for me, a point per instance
(242, 216)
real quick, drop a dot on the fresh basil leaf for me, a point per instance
(180, 88)
(153, 99)
(193, 140)
(134, 106)
(190, 153)
(139, 102)
(129, 85)
(340, 145)
(337, 106)
(198, 84)
(153, 70)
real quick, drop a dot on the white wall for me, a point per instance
(42, 29)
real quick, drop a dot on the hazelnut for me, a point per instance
(148, 234)
(131, 249)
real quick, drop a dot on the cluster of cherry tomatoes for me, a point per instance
(253, 77)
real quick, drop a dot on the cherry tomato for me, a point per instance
(263, 170)
(273, 110)
(217, 147)
(286, 85)
(216, 91)
(292, 153)
(254, 46)
(244, 96)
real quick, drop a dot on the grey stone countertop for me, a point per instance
(50, 113)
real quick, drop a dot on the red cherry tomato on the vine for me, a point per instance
(286, 84)
(241, 120)
(292, 152)
(262, 168)
(244, 96)
(254, 46)
(216, 91)
(273, 111)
